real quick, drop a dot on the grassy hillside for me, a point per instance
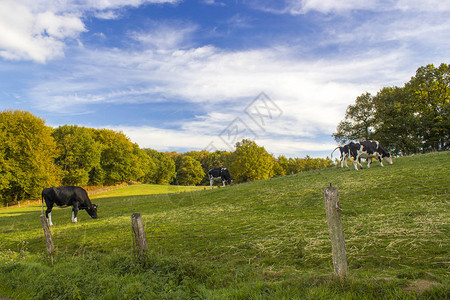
(266, 239)
(147, 189)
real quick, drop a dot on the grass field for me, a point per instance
(261, 240)
(147, 189)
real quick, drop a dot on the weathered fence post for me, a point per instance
(139, 234)
(48, 237)
(333, 210)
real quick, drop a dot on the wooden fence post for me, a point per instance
(333, 210)
(48, 237)
(139, 234)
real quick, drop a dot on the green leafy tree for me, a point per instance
(79, 153)
(210, 160)
(430, 88)
(359, 121)
(218, 159)
(283, 162)
(146, 167)
(189, 171)
(96, 175)
(5, 167)
(297, 165)
(277, 169)
(27, 156)
(251, 162)
(119, 160)
(399, 125)
(203, 158)
(409, 119)
(164, 172)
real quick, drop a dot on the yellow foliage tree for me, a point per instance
(251, 162)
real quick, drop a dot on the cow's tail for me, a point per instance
(334, 150)
(42, 200)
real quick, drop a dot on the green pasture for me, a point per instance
(147, 189)
(260, 240)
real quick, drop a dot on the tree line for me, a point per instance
(34, 156)
(410, 119)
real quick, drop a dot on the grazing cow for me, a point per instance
(221, 173)
(345, 153)
(369, 150)
(67, 196)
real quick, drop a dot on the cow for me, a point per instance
(217, 173)
(369, 150)
(63, 196)
(345, 153)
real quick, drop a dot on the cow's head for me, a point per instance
(92, 211)
(388, 158)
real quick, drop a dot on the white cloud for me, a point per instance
(38, 30)
(214, 2)
(327, 6)
(25, 34)
(296, 7)
(419, 5)
(170, 140)
(164, 139)
(312, 95)
(107, 14)
(165, 36)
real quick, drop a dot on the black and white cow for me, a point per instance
(369, 150)
(219, 173)
(345, 153)
(63, 196)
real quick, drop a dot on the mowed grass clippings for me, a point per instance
(266, 239)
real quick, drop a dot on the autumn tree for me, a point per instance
(27, 153)
(277, 168)
(146, 167)
(119, 160)
(283, 162)
(189, 171)
(251, 162)
(78, 153)
(164, 171)
(210, 160)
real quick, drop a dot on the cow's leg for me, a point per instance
(211, 181)
(49, 219)
(369, 160)
(75, 212)
(381, 161)
(359, 162)
(48, 214)
(223, 182)
(345, 161)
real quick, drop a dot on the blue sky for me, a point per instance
(178, 75)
